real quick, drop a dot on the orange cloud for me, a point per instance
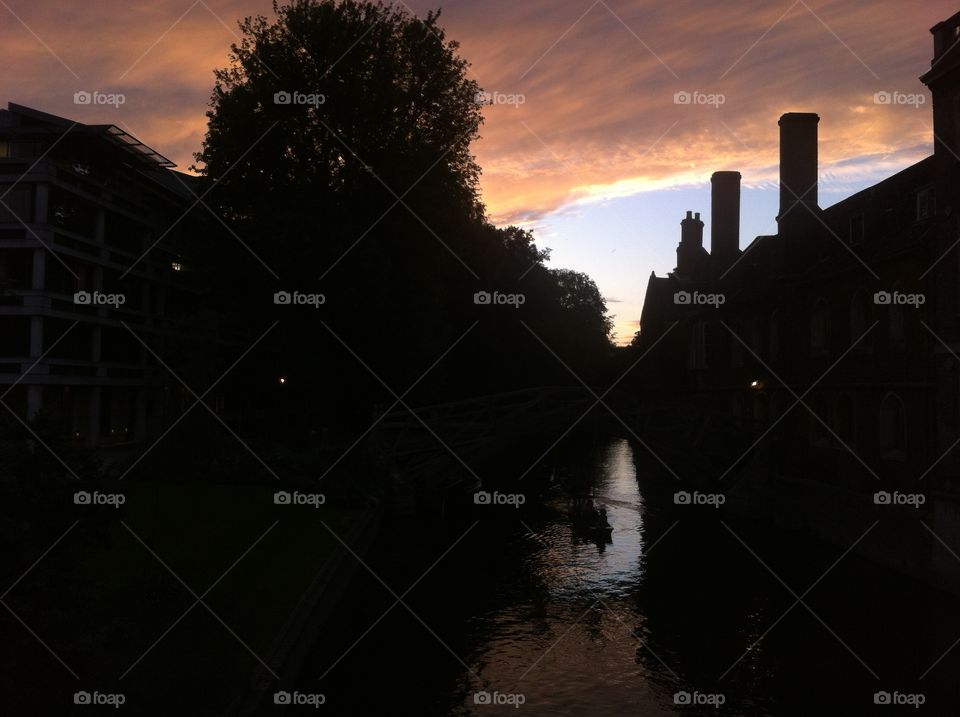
(599, 117)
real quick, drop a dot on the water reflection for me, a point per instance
(580, 649)
(583, 616)
(572, 553)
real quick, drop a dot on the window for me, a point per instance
(18, 201)
(698, 346)
(845, 422)
(736, 345)
(892, 427)
(856, 229)
(736, 405)
(819, 435)
(761, 412)
(860, 319)
(926, 203)
(22, 149)
(820, 328)
(756, 339)
(774, 335)
(956, 122)
(895, 317)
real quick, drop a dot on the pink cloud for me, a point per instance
(599, 115)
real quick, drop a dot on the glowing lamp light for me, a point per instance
(754, 384)
(283, 380)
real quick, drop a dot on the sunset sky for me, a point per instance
(598, 159)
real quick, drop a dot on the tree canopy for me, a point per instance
(338, 153)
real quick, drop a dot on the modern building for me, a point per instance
(94, 231)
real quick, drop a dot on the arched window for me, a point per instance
(736, 347)
(819, 435)
(893, 430)
(860, 319)
(895, 326)
(699, 348)
(774, 334)
(820, 328)
(761, 412)
(845, 423)
(736, 405)
(756, 338)
(776, 405)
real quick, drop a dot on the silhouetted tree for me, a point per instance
(386, 106)
(580, 296)
(338, 151)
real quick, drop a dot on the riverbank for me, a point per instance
(911, 540)
(171, 593)
(918, 538)
(312, 613)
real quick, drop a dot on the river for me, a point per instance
(532, 610)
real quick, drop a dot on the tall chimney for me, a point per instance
(798, 162)
(725, 219)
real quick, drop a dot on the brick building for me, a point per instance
(854, 308)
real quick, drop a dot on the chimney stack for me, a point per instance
(691, 244)
(941, 80)
(945, 34)
(691, 231)
(725, 219)
(798, 162)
